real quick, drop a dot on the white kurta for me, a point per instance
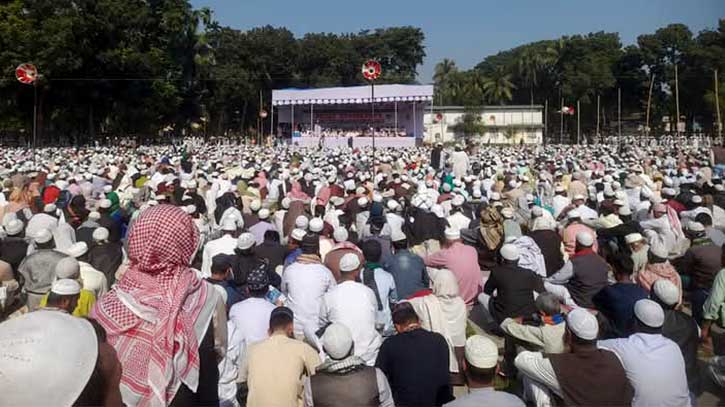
(305, 284)
(224, 245)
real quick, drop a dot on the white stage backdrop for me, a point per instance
(392, 142)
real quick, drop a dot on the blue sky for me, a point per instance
(468, 30)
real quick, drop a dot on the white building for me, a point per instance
(503, 124)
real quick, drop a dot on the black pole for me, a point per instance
(372, 120)
(35, 112)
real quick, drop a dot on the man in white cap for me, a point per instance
(105, 256)
(261, 227)
(680, 328)
(583, 377)
(343, 378)
(560, 200)
(700, 264)
(42, 240)
(480, 367)
(64, 295)
(407, 268)
(222, 245)
(69, 268)
(654, 364)
(462, 261)
(576, 286)
(573, 228)
(341, 248)
(93, 280)
(353, 305)
(514, 287)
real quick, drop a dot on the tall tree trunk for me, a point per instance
(244, 116)
(91, 124)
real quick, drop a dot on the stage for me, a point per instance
(331, 142)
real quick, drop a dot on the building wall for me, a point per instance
(526, 123)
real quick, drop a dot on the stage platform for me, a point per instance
(331, 142)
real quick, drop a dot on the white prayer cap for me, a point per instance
(573, 214)
(263, 213)
(337, 200)
(537, 211)
(452, 233)
(476, 193)
(582, 324)
(362, 201)
(666, 291)
(190, 209)
(337, 340)
(618, 202)
(695, 227)
(316, 225)
(255, 205)
(349, 185)
(579, 197)
(697, 199)
(658, 248)
(286, 202)
(585, 239)
(191, 184)
(49, 208)
(507, 213)
(393, 205)
(669, 192)
(298, 234)
(68, 267)
(510, 252)
(438, 211)
(14, 227)
(377, 197)
(66, 286)
(397, 235)
(229, 225)
(349, 262)
(458, 200)
(46, 343)
(495, 196)
(624, 211)
(94, 215)
(649, 313)
(481, 352)
(245, 241)
(446, 187)
(719, 187)
(77, 249)
(106, 203)
(559, 188)
(107, 189)
(100, 234)
(302, 222)
(360, 190)
(43, 236)
(633, 238)
(340, 235)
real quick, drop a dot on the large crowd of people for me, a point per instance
(347, 132)
(209, 274)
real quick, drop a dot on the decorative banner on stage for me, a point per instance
(350, 117)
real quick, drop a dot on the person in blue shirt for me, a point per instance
(221, 270)
(616, 302)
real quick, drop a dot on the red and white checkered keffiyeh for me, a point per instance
(150, 314)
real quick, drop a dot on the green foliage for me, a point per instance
(582, 67)
(137, 66)
(470, 124)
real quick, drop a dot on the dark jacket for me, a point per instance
(550, 244)
(591, 378)
(358, 387)
(274, 253)
(408, 271)
(682, 329)
(515, 288)
(106, 258)
(590, 276)
(702, 262)
(416, 365)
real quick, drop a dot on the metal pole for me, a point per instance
(35, 113)
(717, 107)
(578, 127)
(619, 112)
(292, 129)
(372, 120)
(597, 116)
(649, 103)
(546, 119)
(271, 124)
(677, 101)
(561, 122)
(312, 119)
(396, 117)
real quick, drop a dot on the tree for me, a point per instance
(470, 124)
(442, 77)
(498, 88)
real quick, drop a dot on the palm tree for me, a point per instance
(529, 65)
(442, 76)
(497, 87)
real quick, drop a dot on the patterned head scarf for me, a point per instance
(150, 315)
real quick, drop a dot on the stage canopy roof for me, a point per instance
(352, 94)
